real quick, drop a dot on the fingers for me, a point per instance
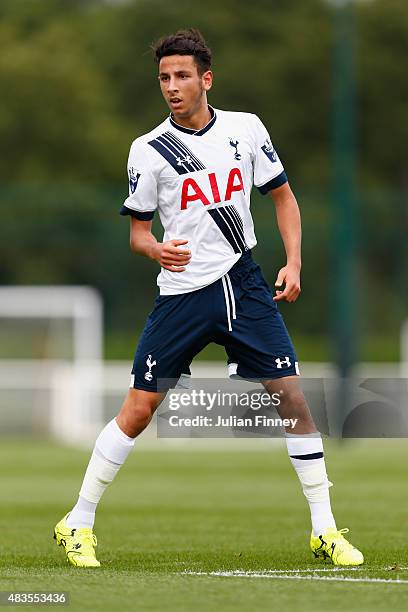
(290, 293)
(171, 248)
(280, 295)
(280, 279)
(288, 283)
(176, 253)
(174, 258)
(174, 268)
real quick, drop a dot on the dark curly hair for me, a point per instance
(185, 42)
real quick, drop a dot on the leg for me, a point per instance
(174, 332)
(153, 361)
(112, 447)
(292, 404)
(137, 411)
(114, 443)
(305, 450)
(259, 347)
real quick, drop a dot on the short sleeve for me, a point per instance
(268, 169)
(142, 200)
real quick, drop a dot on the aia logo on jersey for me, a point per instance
(192, 192)
(133, 180)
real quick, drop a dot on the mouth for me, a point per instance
(175, 102)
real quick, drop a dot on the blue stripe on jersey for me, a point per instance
(173, 138)
(219, 220)
(276, 182)
(237, 218)
(230, 229)
(240, 223)
(179, 168)
(142, 216)
(176, 153)
(236, 230)
(186, 161)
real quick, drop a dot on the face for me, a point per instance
(184, 90)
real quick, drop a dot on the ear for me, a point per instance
(207, 80)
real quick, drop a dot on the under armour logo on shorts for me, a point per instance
(280, 362)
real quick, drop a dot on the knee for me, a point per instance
(136, 413)
(289, 392)
(140, 412)
(294, 406)
(293, 398)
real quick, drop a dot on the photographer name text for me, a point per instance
(233, 421)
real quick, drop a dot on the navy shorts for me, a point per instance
(237, 312)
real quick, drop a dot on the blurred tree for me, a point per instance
(382, 43)
(57, 118)
(383, 92)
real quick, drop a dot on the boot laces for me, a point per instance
(342, 539)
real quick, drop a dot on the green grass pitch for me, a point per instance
(175, 516)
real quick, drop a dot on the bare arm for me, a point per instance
(167, 254)
(288, 218)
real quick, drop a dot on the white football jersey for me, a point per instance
(200, 182)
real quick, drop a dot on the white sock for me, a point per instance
(82, 514)
(110, 452)
(306, 455)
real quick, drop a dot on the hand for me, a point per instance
(172, 258)
(290, 275)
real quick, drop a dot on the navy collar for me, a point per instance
(191, 130)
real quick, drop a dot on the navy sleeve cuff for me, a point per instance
(276, 182)
(142, 216)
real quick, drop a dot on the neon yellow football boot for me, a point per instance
(79, 544)
(332, 545)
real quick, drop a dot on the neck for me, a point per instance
(195, 121)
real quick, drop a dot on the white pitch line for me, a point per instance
(285, 575)
(307, 570)
(322, 569)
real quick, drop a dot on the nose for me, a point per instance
(172, 85)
